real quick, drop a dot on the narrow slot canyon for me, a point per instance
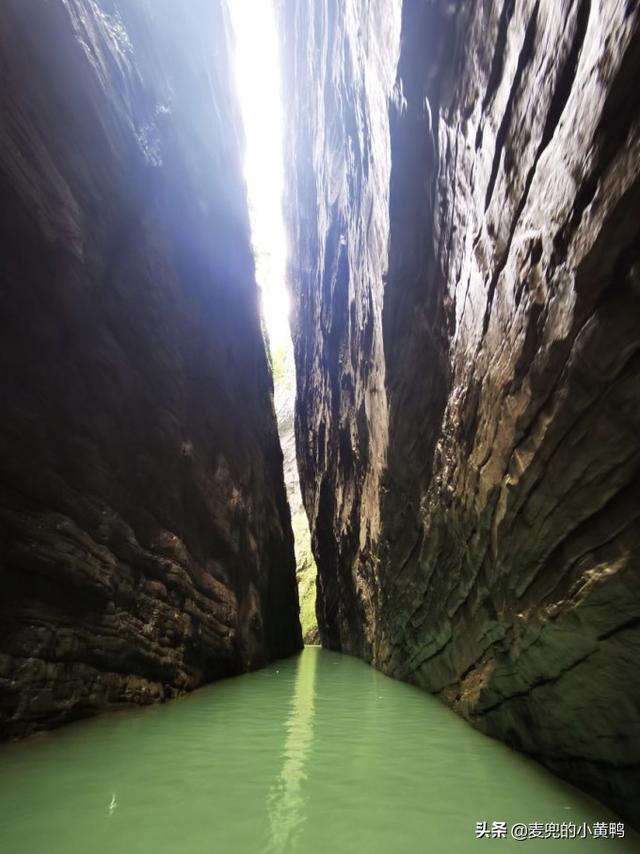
(320, 370)
(257, 66)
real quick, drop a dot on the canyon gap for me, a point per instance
(463, 202)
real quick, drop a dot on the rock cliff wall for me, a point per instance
(145, 538)
(340, 62)
(468, 345)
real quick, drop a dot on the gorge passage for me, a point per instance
(462, 198)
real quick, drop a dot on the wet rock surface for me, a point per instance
(145, 538)
(466, 245)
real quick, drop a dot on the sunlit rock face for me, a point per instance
(146, 543)
(475, 519)
(306, 570)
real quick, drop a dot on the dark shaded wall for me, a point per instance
(339, 65)
(145, 538)
(500, 564)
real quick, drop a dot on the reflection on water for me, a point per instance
(286, 799)
(316, 754)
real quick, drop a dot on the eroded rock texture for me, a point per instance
(145, 539)
(340, 61)
(469, 396)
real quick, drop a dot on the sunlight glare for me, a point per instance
(257, 71)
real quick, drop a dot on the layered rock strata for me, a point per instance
(145, 537)
(468, 420)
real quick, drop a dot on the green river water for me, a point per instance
(316, 754)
